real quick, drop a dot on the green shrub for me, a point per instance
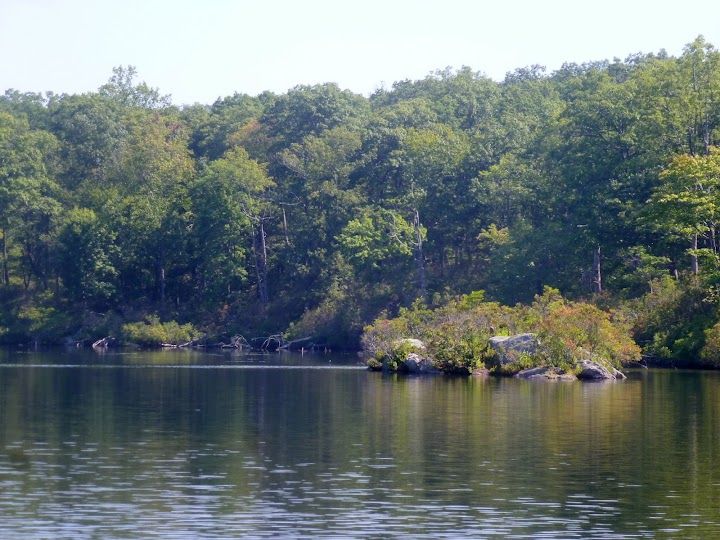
(460, 349)
(711, 351)
(392, 358)
(522, 361)
(670, 320)
(572, 331)
(152, 332)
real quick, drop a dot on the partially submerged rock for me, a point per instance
(407, 356)
(414, 363)
(510, 348)
(591, 370)
(546, 372)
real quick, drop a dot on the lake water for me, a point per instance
(187, 445)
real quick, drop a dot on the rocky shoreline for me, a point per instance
(513, 356)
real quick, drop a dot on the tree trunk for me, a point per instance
(162, 285)
(706, 135)
(6, 273)
(160, 279)
(285, 227)
(597, 273)
(419, 256)
(260, 249)
(263, 252)
(693, 256)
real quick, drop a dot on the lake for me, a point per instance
(193, 445)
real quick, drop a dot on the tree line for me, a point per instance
(313, 211)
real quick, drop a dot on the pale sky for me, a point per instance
(200, 50)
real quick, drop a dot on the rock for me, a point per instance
(545, 372)
(509, 348)
(594, 371)
(374, 364)
(480, 372)
(414, 363)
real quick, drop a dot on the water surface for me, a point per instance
(190, 445)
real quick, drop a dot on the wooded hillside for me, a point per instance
(313, 211)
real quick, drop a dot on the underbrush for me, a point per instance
(152, 332)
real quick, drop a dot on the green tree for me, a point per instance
(86, 253)
(28, 197)
(230, 215)
(685, 205)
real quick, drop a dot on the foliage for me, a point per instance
(315, 210)
(670, 320)
(573, 331)
(152, 332)
(86, 250)
(376, 236)
(457, 335)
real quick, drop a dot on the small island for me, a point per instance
(552, 338)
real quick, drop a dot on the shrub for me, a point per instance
(397, 354)
(670, 320)
(523, 361)
(573, 331)
(152, 332)
(711, 351)
(460, 349)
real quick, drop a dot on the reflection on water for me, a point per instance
(156, 448)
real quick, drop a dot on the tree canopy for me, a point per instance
(318, 209)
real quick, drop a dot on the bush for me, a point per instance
(670, 321)
(153, 333)
(398, 352)
(571, 331)
(460, 349)
(711, 351)
(522, 361)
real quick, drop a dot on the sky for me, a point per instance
(200, 50)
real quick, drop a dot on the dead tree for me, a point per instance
(597, 273)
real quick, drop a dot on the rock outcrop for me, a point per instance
(509, 348)
(512, 353)
(594, 371)
(414, 363)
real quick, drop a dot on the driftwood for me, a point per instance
(267, 343)
(272, 343)
(301, 343)
(236, 342)
(103, 343)
(178, 345)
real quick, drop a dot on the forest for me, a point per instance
(314, 212)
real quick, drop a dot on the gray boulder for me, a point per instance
(594, 371)
(414, 363)
(509, 348)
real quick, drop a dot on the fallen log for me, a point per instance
(301, 343)
(103, 343)
(178, 345)
(272, 343)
